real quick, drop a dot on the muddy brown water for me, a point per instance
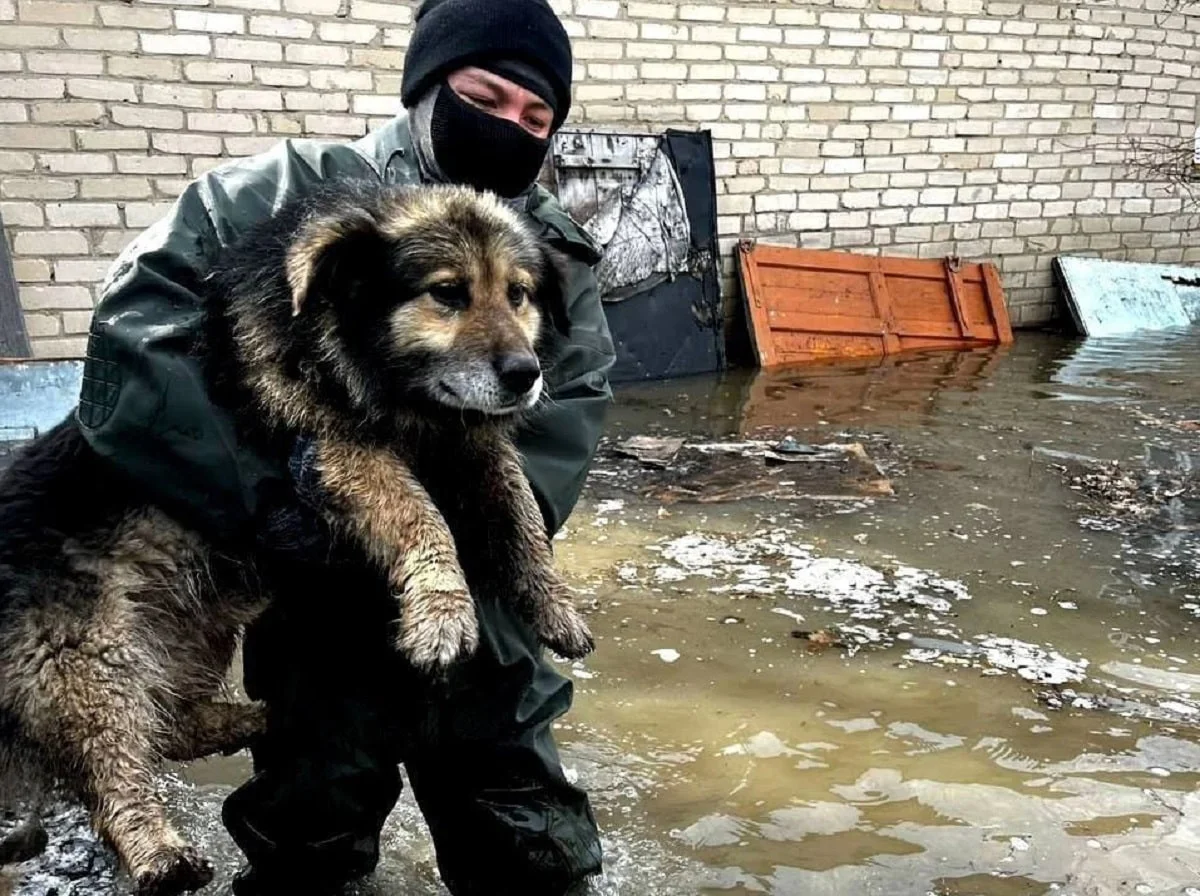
(1016, 705)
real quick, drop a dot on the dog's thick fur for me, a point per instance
(404, 331)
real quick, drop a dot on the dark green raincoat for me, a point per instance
(344, 709)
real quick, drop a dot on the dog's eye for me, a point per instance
(452, 295)
(518, 295)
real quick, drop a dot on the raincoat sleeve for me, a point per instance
(144, 402)
(558, 443)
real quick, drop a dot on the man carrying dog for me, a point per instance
(486, 84)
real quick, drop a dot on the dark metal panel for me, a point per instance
(14, 341)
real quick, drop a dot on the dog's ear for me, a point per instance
(552, 290)
(330, 247)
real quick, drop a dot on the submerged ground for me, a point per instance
(986, 683)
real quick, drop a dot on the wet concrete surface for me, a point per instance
(984, 684)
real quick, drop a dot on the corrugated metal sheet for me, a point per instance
(807, 305)
(1110, 298)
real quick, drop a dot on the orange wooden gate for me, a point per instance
(808, 304)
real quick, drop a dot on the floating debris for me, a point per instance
(653, 451)
(666, 654)
(670, 470)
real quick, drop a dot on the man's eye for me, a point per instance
(485, 102)
(536, 124)
(452, 295)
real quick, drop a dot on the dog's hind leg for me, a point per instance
(90, 706)
(203, 729)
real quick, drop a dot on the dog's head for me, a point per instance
(430, 295)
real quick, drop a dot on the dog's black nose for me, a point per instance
(518, 372)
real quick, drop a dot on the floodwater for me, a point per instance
(1003, 696)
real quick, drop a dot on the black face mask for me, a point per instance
(482, 151)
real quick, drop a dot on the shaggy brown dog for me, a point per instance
(405, 331)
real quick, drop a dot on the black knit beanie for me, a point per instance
(450, 34)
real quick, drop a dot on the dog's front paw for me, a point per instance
(173, 871)
(562, 628)
(437, 629)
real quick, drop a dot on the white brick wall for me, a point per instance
(925, 127)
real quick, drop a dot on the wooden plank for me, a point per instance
(760, 325)
(14, 340)
(809, 322)
(996, 303)
(883, 308)
(805, 304)
(956, 303)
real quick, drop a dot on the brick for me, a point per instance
(251, 100)
(139, 18)
(147, 69)
(279, 26)
(37, 188)
(112, 242)
(697, 13)
(73, 347)
(13, 113)
(344, 80)
(144, 214)
(307, 54)
(210, 22)
(10, 62)
(396, 37)
(186, 144)
(19, 136)
(392, 13)
(377, 59)
(313, 7)
(251, 50)
(25, 36)
(141, 117)
(65, 63)
(115, 188)
(80, 321)
(313, 101)
(76, 163)
(219, 72)
(723, 72)
(280, 77)
(77, 271)
(21, 214)
(335, 124)
(651, 10)
(41, 325)
(82, 214)
(39, 298)
(177, 95)
(248, 146)
(107, 39)
(176, 44)
(225, 122)
(599, 9)
(32, 88)
(147, 164)
(337, 32)
(376, 105)
(58, 12)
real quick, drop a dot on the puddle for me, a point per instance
(959, 688)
